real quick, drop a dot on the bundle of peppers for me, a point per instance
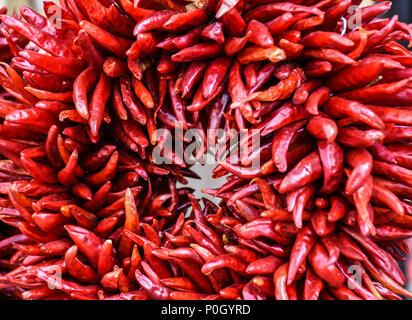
(87, 213)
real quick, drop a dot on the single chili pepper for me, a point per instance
(42, 172)
(256, 53)
(356, 110)
(82, 191)
(269, 197)
(280, 144)
(89, 51)
(260, 228)
(187, 20)
(322, 128)
(49, 82)
(388, 63)
(396, 172)
(181, 253)
(115, 44)
(298, 176)
(180, 284)
(378, 255)
(308, 23)
(114, 67)
(68, 67)
(281, 23)
(302, 92)
(77, 269)
(214, 75)
(389, 198)
(329, 273)
(245, 254)
(317, 68)
(193, 75)
(260, 34)
(380, 91)
(387, 232)
(392, 115)
(177, 105)
(166, 65)
(195, 274)
(98, 158)
(321, 39)
(386, 293)
(266, 265)
(67, 175)
(362, 162)
(246, 211)
(364, 210)
(100, 97)
(250, 73)
(265, 12)
(233, 23)
(264, 76)
(382, 153)
(44, 94)
(237, 91)
(373, 294)
(215, 116)
(225, 261)
(396, 75)
(145, 44)
(130, 101)
(153, 21)
(305, 240)
(282, 90)
(41, 38)
(105, 259)
(385, 279)
(313, 285)
(235, 44)
(303, 196)
(54, 107)
(107, 173)
(279, 280)
(143, 93)
(317, 99)
(87, 242)
(181, 42)
(353, 137)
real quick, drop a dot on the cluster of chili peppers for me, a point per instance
(85, 211)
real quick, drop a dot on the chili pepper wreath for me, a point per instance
(86, 211)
